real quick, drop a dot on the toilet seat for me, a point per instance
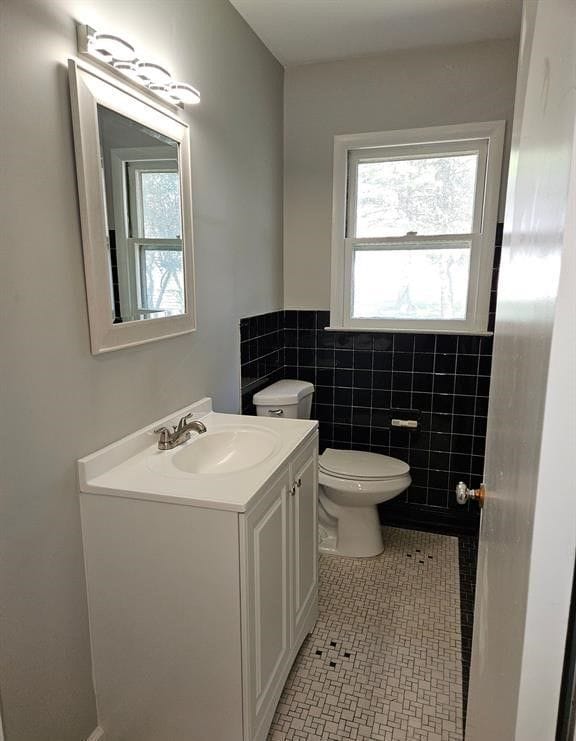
(362, 488)
(356, 465)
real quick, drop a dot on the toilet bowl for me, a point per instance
(352, 482)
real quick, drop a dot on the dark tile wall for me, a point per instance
(261, 354)
(114, 272)
(362, 380)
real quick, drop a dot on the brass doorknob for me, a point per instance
(464, 494)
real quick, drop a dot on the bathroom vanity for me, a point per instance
(201, 566)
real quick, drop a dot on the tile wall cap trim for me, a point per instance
(260, 313)
(374, 330)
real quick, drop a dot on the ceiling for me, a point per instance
(302, 31)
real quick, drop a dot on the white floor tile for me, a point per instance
(384, 660)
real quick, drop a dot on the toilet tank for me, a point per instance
(287, 398)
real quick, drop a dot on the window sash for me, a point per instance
(356, 157)
(137, 247)
(412, 243)
(133, 184)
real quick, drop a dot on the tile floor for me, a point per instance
(384, 660)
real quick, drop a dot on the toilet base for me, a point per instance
(326, 541)
(356, 535)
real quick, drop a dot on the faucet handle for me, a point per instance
(161, 430)
(183, 421)
(165, 435)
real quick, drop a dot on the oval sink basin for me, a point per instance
(218, 452)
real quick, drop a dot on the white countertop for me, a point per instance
(130, 467)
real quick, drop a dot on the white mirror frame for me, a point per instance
(88, 88)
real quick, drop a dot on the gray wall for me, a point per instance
(400, 90)
(57, 402)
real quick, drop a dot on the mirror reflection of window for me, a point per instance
(142, 183)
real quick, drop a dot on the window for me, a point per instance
(414, 227)
(148, 227)
(156, 243)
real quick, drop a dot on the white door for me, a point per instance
(528, 527)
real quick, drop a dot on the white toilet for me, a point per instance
(352, 483)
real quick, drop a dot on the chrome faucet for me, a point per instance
(179, 434)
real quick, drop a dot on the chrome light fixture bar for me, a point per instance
(121, 58)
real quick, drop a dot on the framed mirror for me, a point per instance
(133, 169)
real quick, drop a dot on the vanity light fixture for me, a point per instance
(117, 54)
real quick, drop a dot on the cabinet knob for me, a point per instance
(293, 490)
(299, 483)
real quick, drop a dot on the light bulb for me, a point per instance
(154, 72)
(184, 92)
(163, 91)
(109, 46)
(129, 69)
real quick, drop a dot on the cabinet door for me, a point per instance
(265, 581)
(304, 541)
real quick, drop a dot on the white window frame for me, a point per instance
(487, 138)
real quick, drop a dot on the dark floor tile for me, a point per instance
(467, 558)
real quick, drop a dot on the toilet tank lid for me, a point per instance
(283, 392)
(358, 464)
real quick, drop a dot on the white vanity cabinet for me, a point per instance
(197, 612)
(279, 567)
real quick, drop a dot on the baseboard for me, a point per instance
(96, 735)
(448, 522)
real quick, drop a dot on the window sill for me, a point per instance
(376, 330)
